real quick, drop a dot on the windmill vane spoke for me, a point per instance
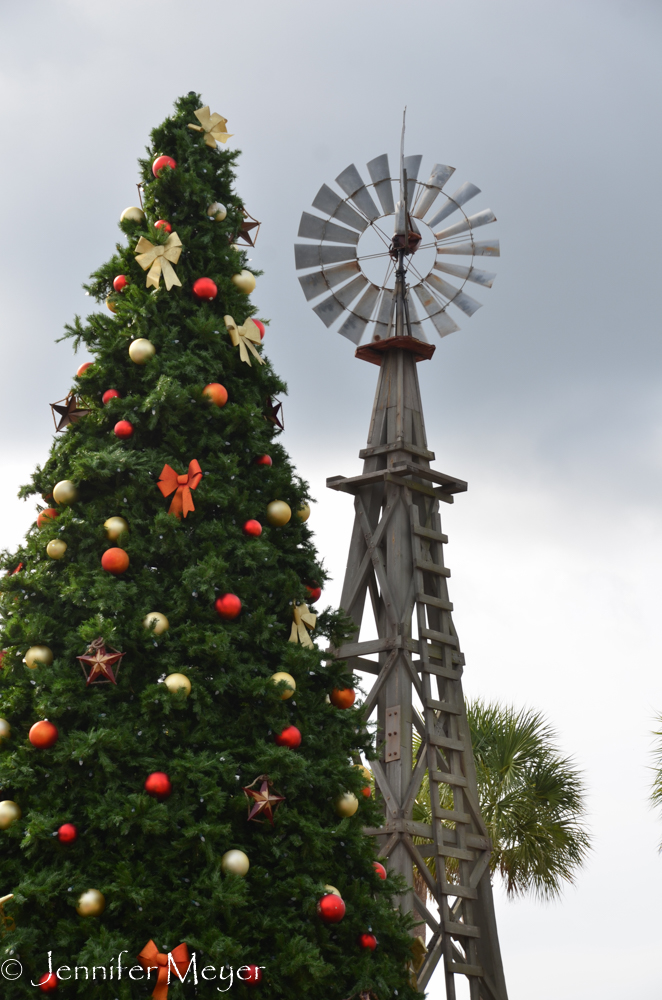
(397, 552)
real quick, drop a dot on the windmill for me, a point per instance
(382, 267)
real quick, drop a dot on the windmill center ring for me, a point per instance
(374, 257)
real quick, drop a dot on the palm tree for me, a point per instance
(656, 794)
(532, 800)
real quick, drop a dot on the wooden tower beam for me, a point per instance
(396, 561)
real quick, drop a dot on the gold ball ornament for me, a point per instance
(244, 281)
(114, 527)
(157, 621)
(178, 682)
(235, 863)
(65, 492)
(278, 513)
(91, 903)
(9, 813)
(303, 513)
(5, 731)
(366, 772)
(56, 548)
(141, 350)
(332, 888)
(217, 211)
(282, 675)
(110, 304)
(347, 804)
(38, 656)
(132, 214)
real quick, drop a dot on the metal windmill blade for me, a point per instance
(350, 256)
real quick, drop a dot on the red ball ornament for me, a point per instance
(158, 785)
(123, 429)
(163, 161)
(216, 392)
(261, 327)
(83, 368)
(314, 593)
(228, 606)
(115, 561)
(120, 283)
(43, 735)
(368, 941)
(290, 737)
(108, 395)
(163, 224)
(379, 868)
(331, 908)
(343, 697)
(67, 833)
(48, 982)
(46, 515)
(253, 528)
(263, 460)
(205, 288)
(252, 974)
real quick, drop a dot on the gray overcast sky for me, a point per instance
(547, 401)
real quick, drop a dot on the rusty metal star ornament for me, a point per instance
(100, 663)
(69, 410)
(274, 412)
(248, 224)
(262, 801)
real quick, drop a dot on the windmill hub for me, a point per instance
(375, 252)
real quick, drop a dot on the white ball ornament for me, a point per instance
(235, 863)
(65, 492)
(282, 675)
(91, 903)
(5, 731)
(347, 804)
(141, 350)
(244, 281)
(132, 214)
(178, 682)
(114, 527)
(217, 211)
(9, 813)
(56, 548)
(157, 621)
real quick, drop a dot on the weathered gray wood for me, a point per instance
(396, 559)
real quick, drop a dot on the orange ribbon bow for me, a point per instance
(169, 481)
(151, 958)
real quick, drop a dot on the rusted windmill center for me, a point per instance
(396, 559)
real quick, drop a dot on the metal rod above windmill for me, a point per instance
(396, 552)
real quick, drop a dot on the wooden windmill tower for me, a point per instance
(396, 555)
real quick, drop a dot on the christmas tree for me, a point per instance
(178, 771)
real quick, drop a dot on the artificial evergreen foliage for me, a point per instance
(158, 863)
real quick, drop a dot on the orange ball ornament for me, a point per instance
(48, 982)
(331, 908)
(216, 392)
(264, 460)
(343, 697)
(123, 429)
(47, 515)
(379, 868)
(163, 224)
(228, 606)
(43, 735)
(252, 528)
(83, 368)
(115, 561)
(205, 289)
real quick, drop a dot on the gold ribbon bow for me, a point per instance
(8, 923)
(212, 125)
(303, 619)
(170, 482)
(244, 337)
(159, 259)
(151, 958)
